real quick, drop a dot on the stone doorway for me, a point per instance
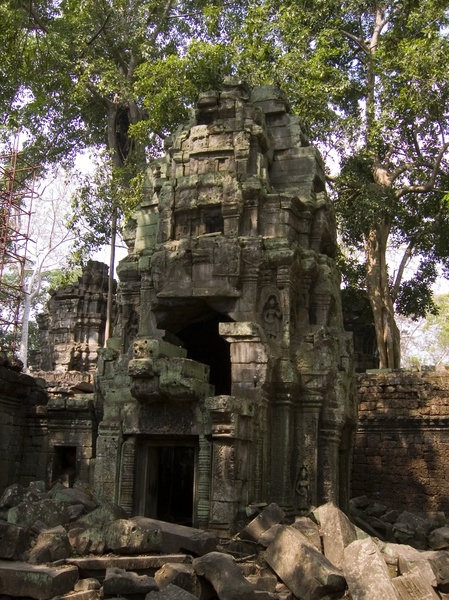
(64, 464)
(166, 477)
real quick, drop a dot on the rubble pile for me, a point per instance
(62, 543)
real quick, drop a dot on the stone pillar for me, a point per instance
(107, 465)
(203, 482)
(307, 423)
(127, 471)
(328, 462)
(282, 427)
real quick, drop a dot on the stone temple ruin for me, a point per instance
(228, 379)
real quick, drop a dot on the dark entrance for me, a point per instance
(205, 345)
(165, 481)
(64, 464)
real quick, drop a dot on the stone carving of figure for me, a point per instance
(302, 489)
(272, 317)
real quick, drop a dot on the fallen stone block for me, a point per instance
(271, 515)
(224, 575)
(309, 529)
(97, 565)
(90, 583)
(74, 496)
(12, 496)
(438, 539)
(14, 540)
(119, 581)
(48, 511)
(303, 569)
(439, 561)
(81, 595)
(87, 541)
(181, 575)
(268, 536)
(412, 586)
(179, 538)
(36, 581)
(171, 592)
(105, 513)
(412, 530)
(133, 536)
(409, 558)
(336, 530)
(51, 545)
(366, 572)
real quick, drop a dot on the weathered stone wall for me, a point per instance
(23, 441)
(72, 329)
(48, 427)
(402, 441)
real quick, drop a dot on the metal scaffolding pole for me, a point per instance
(17, 194)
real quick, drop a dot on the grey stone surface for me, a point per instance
(133, 536)
(14, 540)
(303, 569)
(271, 515)
(36, 581)
(438, 539)
(413, 586)
(409, 558)
(174, 538)
(171, 592)
(178, 574)
(51, 545)
(50, 512)
(120, 582)
(336, 530)
(310, 530)
(224, 575)
(366, 572)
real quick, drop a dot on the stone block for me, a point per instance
(51, 545)
(409, 558)
(133, 536)
(224, 575)
(336, 530)
(413, 586)
(14, 541)
(36, 581)
(366, 572)
(50, 512)
(171, 592)
(309, 529)
(303, 569)
(271, 515)
(438, 539)
(178, 574)
(120, 582)
(179, 538)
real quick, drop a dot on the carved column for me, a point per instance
(282, 427)
(307, 425)
(328, 461)
(108, 459)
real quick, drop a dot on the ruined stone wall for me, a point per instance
(71, 331)
(48, 428)
(402, 441)
(23, 444)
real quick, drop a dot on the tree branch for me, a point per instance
(400, 274)
(94, 37)
(430, 183)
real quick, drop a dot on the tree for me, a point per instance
(72, 75)
(367, 77)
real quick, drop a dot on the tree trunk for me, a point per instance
(379, 293)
